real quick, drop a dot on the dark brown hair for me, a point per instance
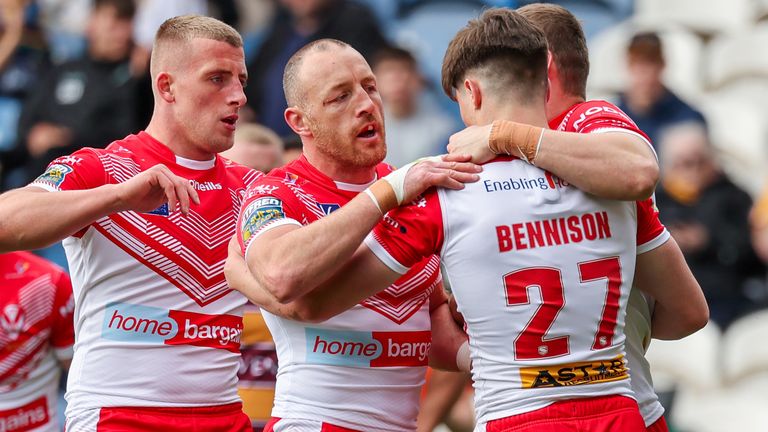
(646, 47)
(505, 47)
(566, 42)
(124, 9)
(393, 53)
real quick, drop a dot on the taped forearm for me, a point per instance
(516, 139)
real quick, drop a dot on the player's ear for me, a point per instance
(297, 121)
(164, 85)
(551, 65)
(474, 91)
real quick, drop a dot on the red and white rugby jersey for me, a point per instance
(541, 272)
(35, 333)
(595, 117)
(155, 322)
(362, 369)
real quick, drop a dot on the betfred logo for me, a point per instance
(135, 323)
(368, 349)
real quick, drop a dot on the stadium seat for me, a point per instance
(702, 16)
(683, 363)
(736, 56)
(735, 408)
(683, 52)
(743, 355)
(739, 133)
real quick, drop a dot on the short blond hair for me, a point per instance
(184, 28)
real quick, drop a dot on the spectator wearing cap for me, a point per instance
(646, 100)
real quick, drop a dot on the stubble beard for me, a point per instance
(342, 148)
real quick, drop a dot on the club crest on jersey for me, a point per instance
(290, 178)
(259, 213)
(328, 208)
(12, 321)
(54, 176)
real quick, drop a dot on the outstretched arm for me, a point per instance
(680, 307)
(66, 212)
(613, 165)
(290, 260)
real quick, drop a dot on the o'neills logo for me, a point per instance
(25, 418)
(368, 349)
(135, 323)
(205, 186)
(594, 372)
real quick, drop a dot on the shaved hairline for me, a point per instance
(175, 34)
(292, 86)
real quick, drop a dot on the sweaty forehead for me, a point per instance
(328, 68)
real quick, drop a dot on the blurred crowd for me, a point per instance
(74, 73)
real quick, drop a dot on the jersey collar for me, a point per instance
(152, 144)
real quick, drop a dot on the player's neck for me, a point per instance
(338, 171)
(532, 115)
(560, 101)
(175, 141)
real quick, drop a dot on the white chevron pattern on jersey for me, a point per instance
(212, 234)
(396, 302)
(120, 168)
(164, 265)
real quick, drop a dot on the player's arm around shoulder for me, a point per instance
(613, 164)
(362, 276)
(292, 259)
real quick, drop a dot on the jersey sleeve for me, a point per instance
(408, 234)
(651, 233)
(82, 169)
(63, 330)
(601, 116)
(268, 204)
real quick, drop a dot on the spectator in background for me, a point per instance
(36, 338)
(24, 57)
(87, 102)
(707, 215)
(647, 101)
(256, 147)
(758, 222)
(416, 125)
(296, 23)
